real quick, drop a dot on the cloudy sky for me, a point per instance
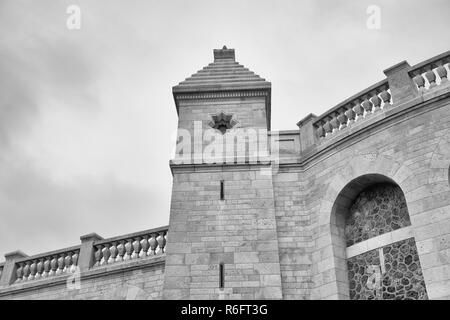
(87, 116)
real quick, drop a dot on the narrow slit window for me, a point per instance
(222, 190)
(221, 276)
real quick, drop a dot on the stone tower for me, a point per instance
(223, 240)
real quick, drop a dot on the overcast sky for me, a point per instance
(86, 116)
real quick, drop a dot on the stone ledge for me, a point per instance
(205, 167)
(48, 253)
(131, 235)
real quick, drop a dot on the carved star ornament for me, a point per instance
(222, 122)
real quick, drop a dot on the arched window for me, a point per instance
(382, 258)
(378, 209)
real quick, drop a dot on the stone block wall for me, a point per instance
(294, 239)
(195, 116)
(238, 232)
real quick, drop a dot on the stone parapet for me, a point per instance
(94, 254)
(402, 85)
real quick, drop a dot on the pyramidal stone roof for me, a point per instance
(224, 74)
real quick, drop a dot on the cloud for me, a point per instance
(52, 215)
(17, 102)
(49, 74)
(38, 66)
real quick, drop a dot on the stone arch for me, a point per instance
(359, 165)
(401, 237)
(360, 171)
(349, 193)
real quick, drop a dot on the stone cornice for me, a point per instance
(221, 94)
(227, 94)
(204, 167)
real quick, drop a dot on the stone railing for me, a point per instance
(432, 72)
(64, 261)
(132, 246)
(360, 106)
(93, 252)
(404, 86)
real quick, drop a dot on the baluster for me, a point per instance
(386, 97)
(33, 270)
(161, 242)
(54, 265)
(74, 265)
(106, 254)
(113, 251)
(431, 77)
(350, 114)
(342, 118)
(19, 272)
(98, 255)
(67, 262)
(60, 264)
(334, 122)
(26, 270)
(358, 109)
(128, 249)
(367, 105)
(153, 244)
(327, 126)
(145, 246)
(120, 251)
(46, 267)
(376, 101)
(419, 81)
(442, 73)
(320, 130)
(136, 247)
(40, 268)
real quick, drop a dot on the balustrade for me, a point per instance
(371, 100)
(106, 251)
(431, 73)
(426, 75)
(46, 266)
(136, 246)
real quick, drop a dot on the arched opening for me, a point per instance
(371, 217)
(379, 208)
